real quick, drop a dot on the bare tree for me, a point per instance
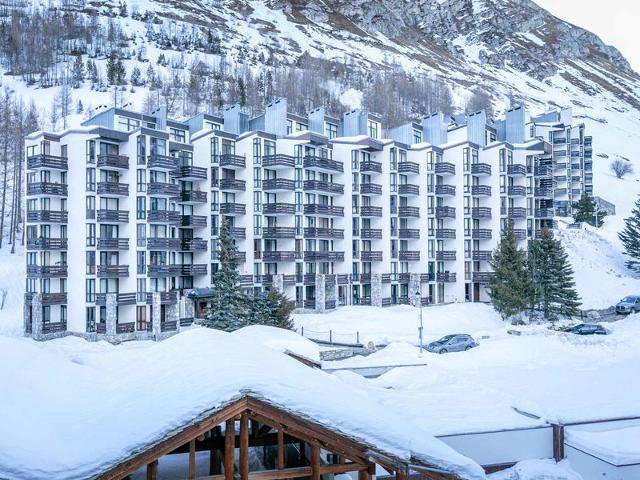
(621, 167)
(3, 296)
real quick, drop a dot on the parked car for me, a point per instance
(588, 329)
(629, 304)
(452, 343)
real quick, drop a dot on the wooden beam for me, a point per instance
(280, 465)
(215, 459)
(364, 475)
(192, 459)
(401, 474)
(230, 449)
(315, 462)
(333, 469)
(152, 470)
(244, 447)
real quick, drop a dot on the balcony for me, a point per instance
(279, 209)
(481, 190)
(114, 189)
(193, 269)
(162, 162)
(543, 171)
(279, 256)
(193, 221)
(115, 162)
(481, 255)
(445, 190)
(544, 212)
(113, 244)
(408, 233)
(323, 210)
(163, 189)
(516, 170)
(323, 187)
(237, 233)
(113, 271)
(121, 299)
(54, 327)
(193, 245)
(370, 233)
(163, 216)
(278, 161)
(410, 168)
(230, 160)
(278, 185)
(446, 277)
(323, 256)
(163, 271)
(46, 271)
(159, 243)
(371, 256)
(481, 234)
(322, 164)
(517, 212)
(516, 191)
(520, 233)
(408, 189)
(370, 211)
(480, 169)
(46, 161)
(42, 243)
(48, 298)
(232, 185)
(190, 197)
(446, 255)
(166, 298)
(480, 212)
(113, 216)
(481, 277)
(407, 212)
(325, 233)
(47, 216)
(47, 188)
(190, 173)
(445, 168)
(445, 212)
(240, 257)
(370, 166)
(233, 208)
(370, 189)
(545, 192)
(278, 232)
(445, 233)
(409, 256)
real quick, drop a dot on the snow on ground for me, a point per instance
(73, 393)
(12, 277)
(537, 470)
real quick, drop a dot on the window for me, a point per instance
(141, 180)
(91, 179)
(465, 160)
(91, 262)
(141, 318)
(91, 235)
(91, 207)
(141, 262)
(141, 208)
(393, 159)
(127, 124)
(417, 136)
(214, 149)
(257, 150)
(91, 151)
(90, 290)
(372, 127)
(503, 160)
(289, 127)
(211, 125)
(141, 149)
(330, 130)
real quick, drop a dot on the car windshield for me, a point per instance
(446, 338)
(629, 299)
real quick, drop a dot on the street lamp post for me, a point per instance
(420, 328)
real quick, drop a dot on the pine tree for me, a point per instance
(136, 77)
(586, 210)
(228, 307)
(77, 72)
(630, 238)
(282, 308)
(509, 287)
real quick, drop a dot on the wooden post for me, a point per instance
(280, 465)
(215, 459)
(302, 454)
(229, 449)
(244, 447)
(315, 462)
(401, 475)
(152, 470)
(558, 442)
(364, 475)
(192, 459)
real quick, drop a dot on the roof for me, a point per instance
(69, 394)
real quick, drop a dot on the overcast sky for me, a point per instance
(616, 22)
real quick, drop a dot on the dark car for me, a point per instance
(629, 304)
(588, 329)
(452, 343)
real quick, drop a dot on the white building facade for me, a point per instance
(123, 213)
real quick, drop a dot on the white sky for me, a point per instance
(616, 22)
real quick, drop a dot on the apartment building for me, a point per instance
(124, 212)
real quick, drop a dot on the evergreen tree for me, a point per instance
(554, 290)
(509, 287)
(228, 306)
(77, 72)
(282, 308)
(136, 77)
(630, 238)
(586, 210)
(242, 92)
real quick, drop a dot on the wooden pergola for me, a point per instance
(292, 447)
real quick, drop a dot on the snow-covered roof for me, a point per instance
(618, 446)
(72, 409)
(281, 340)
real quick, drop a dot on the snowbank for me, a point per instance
(280, 339)
(620, 446)
(89, 405)
(537, 470)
